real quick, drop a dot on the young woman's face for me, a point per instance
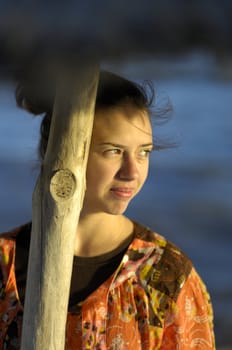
(118, 159)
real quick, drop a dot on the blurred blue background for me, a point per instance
(188, 195)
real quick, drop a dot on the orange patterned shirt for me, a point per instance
(155, 300)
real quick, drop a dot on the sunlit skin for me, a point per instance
(117, 169)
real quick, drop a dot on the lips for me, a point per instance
(122, 192)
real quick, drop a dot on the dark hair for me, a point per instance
(113, 91)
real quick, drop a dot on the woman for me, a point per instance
(130, 288)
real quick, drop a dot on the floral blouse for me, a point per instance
(155, 300)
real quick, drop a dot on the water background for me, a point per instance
(188, 195)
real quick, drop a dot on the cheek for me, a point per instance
(98, 173)
(144, 172)
(143, 176)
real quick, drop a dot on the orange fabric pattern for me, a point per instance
(155, 300)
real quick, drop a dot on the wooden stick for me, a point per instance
(57, 202)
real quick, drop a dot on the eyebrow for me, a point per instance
(122, 146)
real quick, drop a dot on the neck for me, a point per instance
(101, 233)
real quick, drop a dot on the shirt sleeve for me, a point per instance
(189, 324)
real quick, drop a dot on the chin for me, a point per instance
(118, 210)
(107, 207)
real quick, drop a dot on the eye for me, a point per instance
(144, 153)
(112, 152)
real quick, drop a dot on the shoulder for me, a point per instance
(19, 233)
(19, 236)
(164, 267)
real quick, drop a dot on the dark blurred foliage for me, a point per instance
(106, 29)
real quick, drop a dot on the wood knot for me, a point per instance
(63, 185)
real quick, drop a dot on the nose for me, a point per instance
(129, 169)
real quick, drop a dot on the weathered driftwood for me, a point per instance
(57, 201)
